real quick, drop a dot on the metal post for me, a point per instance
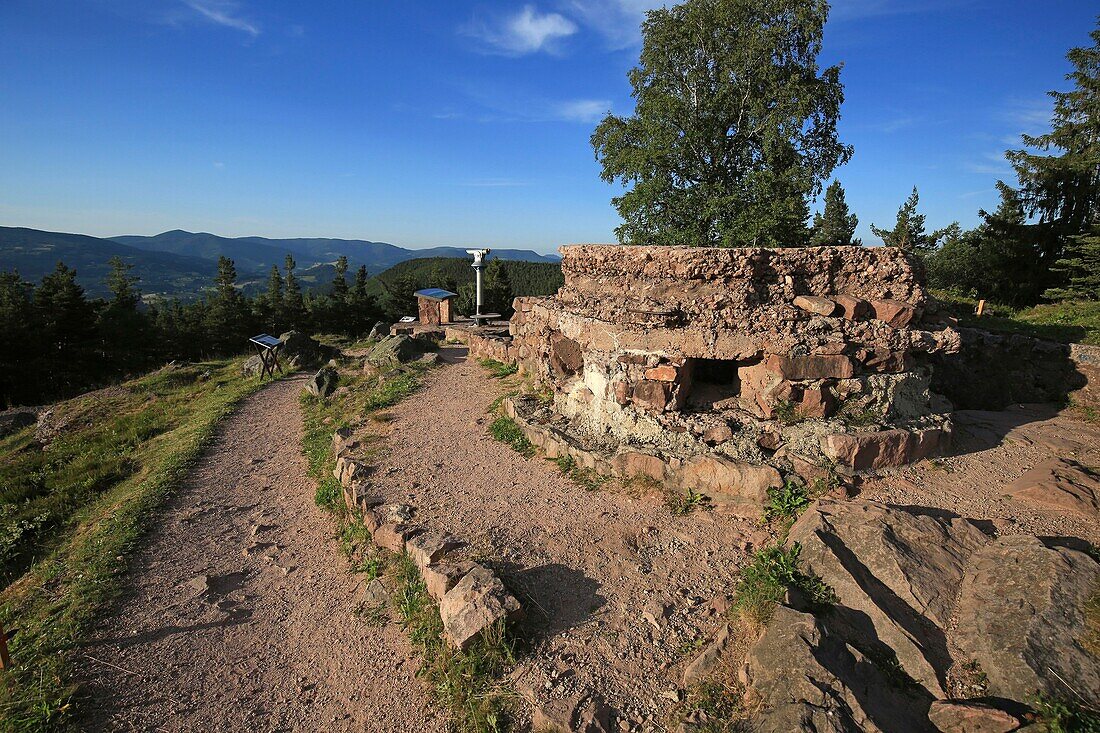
(477, 271)
(479, 258)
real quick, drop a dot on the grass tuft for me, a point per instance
(498, 369)
(683, 504)
(1062, 716)
(786, 502)
(507, 430)
(765, 580)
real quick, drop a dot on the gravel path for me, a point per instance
(590, 566)
(239, 615)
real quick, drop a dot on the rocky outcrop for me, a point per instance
(1059, 484)
(323, 383)
(16, 419)
(1021, 617)
(896, 575)
(917, 593)
(394, 350)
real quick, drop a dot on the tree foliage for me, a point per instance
(835, 226)
(734, 127)
(909, 232)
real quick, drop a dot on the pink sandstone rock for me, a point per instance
(631, 464)
(815, 304)
(883, 449)
(894, 312)
(970, 716)
(651, 395)
(729, 482)
(813, 366)
(474, 604)
(663, 373)
(852, 308)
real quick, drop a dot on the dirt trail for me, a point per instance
(240, 610)
(589, 565)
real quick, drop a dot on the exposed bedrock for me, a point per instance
(922, 595)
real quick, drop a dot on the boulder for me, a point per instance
(1021, 617)
(970, 716)
(740, 487)
(816, 402)
(300, 351)
(476, 603)
(394, 350)
(379, 331)
(323, 383)
(252, 366)
(896, 575)
(815, 304)
(1060, 484)
(343, 441)
(392, 536)
(565, 355)
(893, 312)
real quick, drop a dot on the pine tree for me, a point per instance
(225, 316)
(19, 330)
(124, 331)
(1063, 190)
(124, 296)
(1080, 267)
(67, 329)
(834, 227)
(272, 307)
(400, 296)
(339, 281)
(908, 233)
(294, 305)
(496, 291)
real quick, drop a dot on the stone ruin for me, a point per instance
(721, 370)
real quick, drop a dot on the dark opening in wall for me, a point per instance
(711, 381)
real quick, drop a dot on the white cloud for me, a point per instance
(618, 21)
(528, 31)
(224, 13)
(581, 110)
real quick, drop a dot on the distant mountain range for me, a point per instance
(179, 263)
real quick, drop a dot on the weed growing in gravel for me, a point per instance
(498, 369)
(372, 566)
(854, 414)
(464, 682)
(1063, 716)
(713, 707)
(766, 579)
(506, 430)
(494, 406)
(684, 504)
(75, 509)
(786, 502)
(787, 412)
(586, 478)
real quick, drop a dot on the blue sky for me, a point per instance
(440, 122)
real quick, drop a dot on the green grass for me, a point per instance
(683, 504)
(786, 502)
(1062, 716)
(73, 512)
(787, 412)
(1069, 321)
(507, 430)
(586, 478)
(465, 683)
(765, 580)
(498, 369)
(720, 704)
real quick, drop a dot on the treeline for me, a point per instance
(1043, 240)
(58, 342)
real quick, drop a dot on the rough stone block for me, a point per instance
(429, 547)
(812, 366)
(663, 373)
(631, 464)
(888, 362)
(817, 402)
(884, 448)
(566, 358)
(853, 308)
(730, 483)
(970, 716)
(815, 304)
(894, 312)
(651, 395)
(392, 536)
(476, 603)
(440, 577)
(703, 665)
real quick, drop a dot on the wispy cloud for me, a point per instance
(223, 13)
(581, 110)
(990, 164)
(1030, 115)
(528, 31)
(618, 21)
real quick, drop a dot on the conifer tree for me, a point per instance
(293, 303)
(909, 233)
(835, 226)
(339, 281)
